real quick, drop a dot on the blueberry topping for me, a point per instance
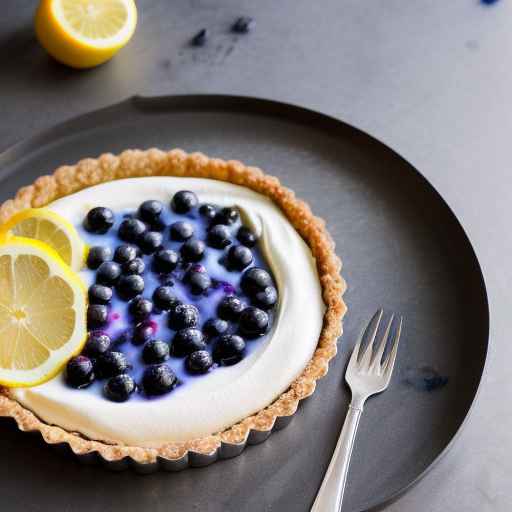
(228, 216)
(143, 332)
(207, 211)
(79, 372)
(150, 211)
(198, 282)
(239, 257)
(119, 388)
(219, 236)
(158, 380)
(141, 308)
(108, 273)
(253, 322)
(183, 201)
(165, 261)
(187, 341)
(246, 237)
(183, 316)
(97, 343)
(130, 286)
(243, 25)
(150, 242)
(214, 327)
(99, 220)
(99, 294)
(255, 280)
(131, 230)
(181, 231)
(110, 364)
(155, 351)
(266, 299)
(97, 316)
(164, 298)
(136, 266)
(230, 307)
(97, 255)
(229, 350)
(125, 253)
(192, 250)
(200, 38)
(199, 362)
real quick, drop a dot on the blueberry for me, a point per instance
(150, 242)
(255, 280)
(230, 307)
(119, 388)
(207, 211)
(219, 236)
(183, 201)
(229, 349)
(199, 361)
(99, 220)
(164, 298)
(199, 282)
(243, 25)
(158, 379)
(131, 230)
(266, 298)
(79, 372)
(150, 211)
(158, 225)
(136, 266)
(214, 327)
(183, 316)
(97, 343)
(141, 308)
(155, 351)
(124, 336)
(99, 294)
(246, 237)
(238, 257)
(125, 253)
(181, 231)
(143, 332)
(253, 322)
(108, 273)
(97, 316)
(165, 261)
(228, 216)
(192, 250)
(130, 286)
(200, 38)
(110, 364)
(186, 341)
(97, 255)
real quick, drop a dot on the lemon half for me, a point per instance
(42, 313)
(85, 33)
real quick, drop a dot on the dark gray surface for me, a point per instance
(386, 225)
(431, 79)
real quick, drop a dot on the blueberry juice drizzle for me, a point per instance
(225, 281)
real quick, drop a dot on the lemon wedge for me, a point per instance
(85, 33)
(42, 313)
(50, 228)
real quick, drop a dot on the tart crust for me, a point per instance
(132, 163)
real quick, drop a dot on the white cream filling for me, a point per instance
(226, 396)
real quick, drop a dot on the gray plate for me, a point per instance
(402, 248)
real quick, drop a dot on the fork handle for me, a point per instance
(330, 495)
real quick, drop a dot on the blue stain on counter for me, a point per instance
(425, 378)
(489, 2)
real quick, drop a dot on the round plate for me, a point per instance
(402, 249)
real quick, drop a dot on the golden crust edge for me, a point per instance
(133, 163)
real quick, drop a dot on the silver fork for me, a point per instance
(366, 375)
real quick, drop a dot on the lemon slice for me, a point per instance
(85, 33)
(52, 229)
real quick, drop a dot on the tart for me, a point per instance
(215, 304)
